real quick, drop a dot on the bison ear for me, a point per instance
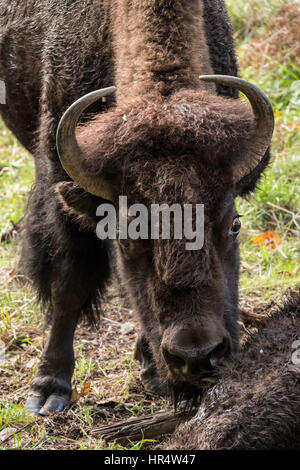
(249, 182)
(77, 204)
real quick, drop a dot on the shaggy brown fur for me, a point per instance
(151, 129)
(166, 138)
(163, 41)
(256, 404)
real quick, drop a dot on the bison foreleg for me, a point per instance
(68, 266)
(51, 388)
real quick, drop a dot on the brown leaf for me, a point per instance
(75, 396)
(7, 434)
(249, 317)
(86, 388)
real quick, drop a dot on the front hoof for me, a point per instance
(48, 395)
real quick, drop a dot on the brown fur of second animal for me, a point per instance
(256, 404)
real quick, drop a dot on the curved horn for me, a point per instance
(68, 149)
(264, 122)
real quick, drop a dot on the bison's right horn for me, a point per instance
(71, 156)
(264, 122)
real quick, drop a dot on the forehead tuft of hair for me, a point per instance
(209, 129)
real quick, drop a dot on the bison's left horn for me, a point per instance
(71, 156)
(264, 122)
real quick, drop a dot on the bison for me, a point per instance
(143, 98)
(256, 404)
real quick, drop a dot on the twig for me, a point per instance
(250, 317)
(20, 430)
(287, 211)
(141, 427)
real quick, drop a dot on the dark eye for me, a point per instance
(236, 227)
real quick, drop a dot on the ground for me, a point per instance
(106, 381)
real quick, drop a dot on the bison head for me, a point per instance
(192, 147)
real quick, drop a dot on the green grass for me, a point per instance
(84, 367)
(17, 173)
(15, 417)
(276, 204)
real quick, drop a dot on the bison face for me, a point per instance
(186, 299)
(190, 148)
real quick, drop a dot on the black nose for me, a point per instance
(195, 361)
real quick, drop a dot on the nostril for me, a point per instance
(197, 367)
(195, 361)
(219, 352)
(173, 359)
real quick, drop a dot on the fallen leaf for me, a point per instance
(86, 388)
(269, 239)
(75, 396)
(127, 328)
(30, 364)
(248, 316)
(7, 433)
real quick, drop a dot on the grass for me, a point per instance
(17, 173)
(250, 17)
(276, 205)
(266, 273)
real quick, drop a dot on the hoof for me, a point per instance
(48, 395)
